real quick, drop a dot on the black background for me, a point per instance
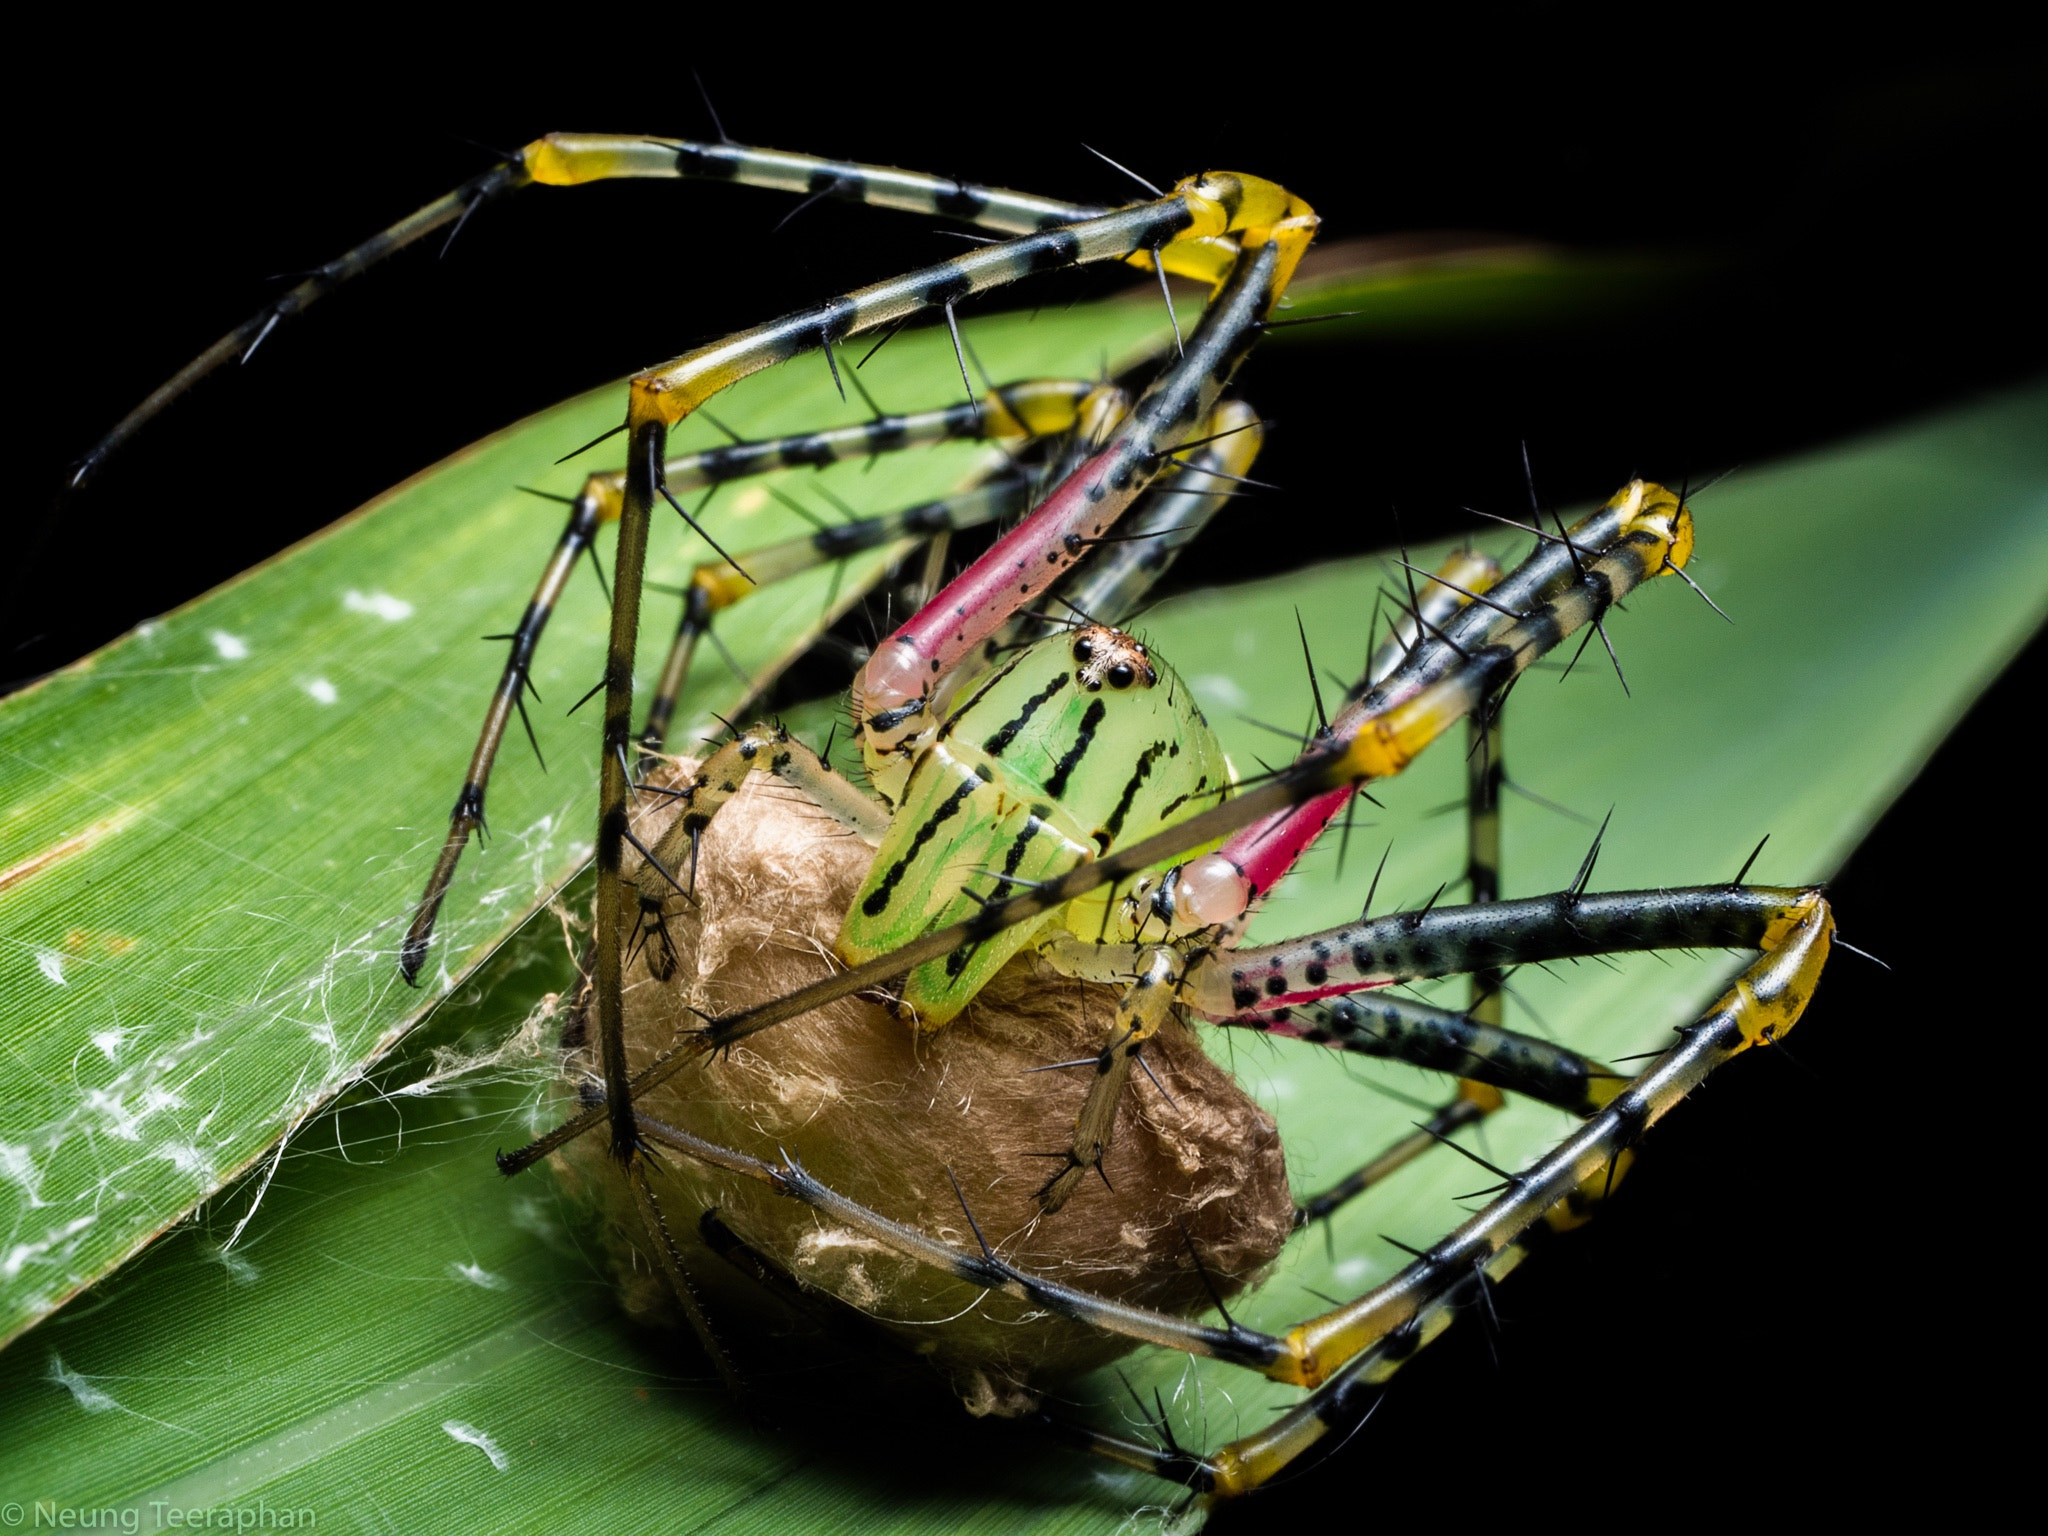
(1773, 1311)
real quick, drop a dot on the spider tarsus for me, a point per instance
(411, 956)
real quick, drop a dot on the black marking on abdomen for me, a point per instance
(1033, 825)
(954, 719)
(997, 744)
(878, 899)
(1057, 784)
(1150, 755)
(1180, 800)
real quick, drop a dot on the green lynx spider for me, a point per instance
(1039, 799)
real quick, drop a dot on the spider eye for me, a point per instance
(1083, 649)
(1121, 675)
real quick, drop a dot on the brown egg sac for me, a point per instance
(881, 1114)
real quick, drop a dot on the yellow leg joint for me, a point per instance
(1033, 408)
(669, 396)
(571, 159)
(1767, 1000)
(721, 583)
(1206, 260)
(1487, 1097)
(1256, 1460)
(1583, 1203)
(1291, 237)
(1231, 203)
(1647, 507)
(1603, 1091)
(608, 493)
(1299, 1367)
(1226, 203)
(1388, 743)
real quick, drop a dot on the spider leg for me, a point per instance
(1394, 1028)
(1010, 415)
(1484, 1056)
(468, 814)
(685, 1292)
(1477, 1096)
(1115, 581)
(1146, 1005)
(668, 869)
(1336, 1409)
(1264, 852)
(1095, 419)
(1466, 607)
(765, 748)
(936, 552)
(1028, 560)
(573, 159)
(1448, 1118)
(1765, 1001)
(1452, 941)
(1474, 1045)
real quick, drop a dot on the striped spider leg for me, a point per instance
(576, 159)
(1473, 1045)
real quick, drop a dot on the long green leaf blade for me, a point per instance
(402, 1338)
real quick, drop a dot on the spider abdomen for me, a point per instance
(1081, 743)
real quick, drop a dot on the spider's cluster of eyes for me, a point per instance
(1108, 656)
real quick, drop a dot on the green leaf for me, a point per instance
(197, 928)
(1441, 287)
(395, 1304)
